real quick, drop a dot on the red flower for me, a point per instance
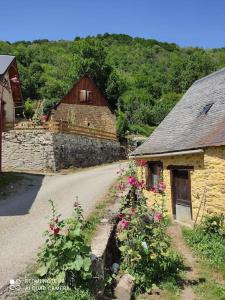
(153, 189)
(120, 216)
(56, 230)
(157, 217)
(123, 224)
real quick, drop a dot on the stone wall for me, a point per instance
(39, 150)
(97, 117)
(208, 173)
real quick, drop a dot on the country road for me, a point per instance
(24, 214)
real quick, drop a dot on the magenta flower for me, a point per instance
(162, 186)
(157, 217)
(132, 180)
(123, 224)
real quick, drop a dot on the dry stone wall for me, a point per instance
(39, 151)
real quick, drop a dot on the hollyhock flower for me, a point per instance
(132, 180)
(123, 224)
(120, 216)
(141, 162)
(56, 230)
(157, 217)
(121, 186)
(162, 186)
(140, 185)
(153, 189)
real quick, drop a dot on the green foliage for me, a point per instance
(65, 256)
(145, 247)
(208, 241)
(53, 292)
(145, 130)
(143, 78)
(121, 125)
(29, 108)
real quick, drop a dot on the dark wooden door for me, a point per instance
(181, 189)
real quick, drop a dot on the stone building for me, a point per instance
(187, 152)
(85, 106)
(80, 132)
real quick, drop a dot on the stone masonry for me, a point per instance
(40, 151)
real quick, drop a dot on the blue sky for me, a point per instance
(185, 22)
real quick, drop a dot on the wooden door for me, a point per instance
(181, 194)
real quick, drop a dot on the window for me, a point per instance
(153, 174)
(206, 109)
(86, 96)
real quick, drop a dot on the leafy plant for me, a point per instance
(65, 256)
(145, 248)
(208, 241)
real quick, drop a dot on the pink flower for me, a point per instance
(153, 189)
(123, 224)
(140, 185)
(157, 217)
(162, 186)
(121, 186)
(132, 180)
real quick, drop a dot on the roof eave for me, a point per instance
(165, 154)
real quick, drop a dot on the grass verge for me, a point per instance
(211, 252)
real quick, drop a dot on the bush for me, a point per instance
(145, 248)
(145, 130)
(65, 256)
(77, 294)
(208, 241)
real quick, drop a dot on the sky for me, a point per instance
(184, 22)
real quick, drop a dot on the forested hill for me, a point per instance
(142, 78)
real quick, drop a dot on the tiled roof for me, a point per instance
(187, 127)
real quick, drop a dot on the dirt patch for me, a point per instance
(192, 275)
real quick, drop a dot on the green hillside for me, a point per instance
(142, 78)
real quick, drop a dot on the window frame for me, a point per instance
(158, 166)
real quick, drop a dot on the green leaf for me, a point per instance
(42, 271)
(87, 263)
(78, 263)
(60, 278)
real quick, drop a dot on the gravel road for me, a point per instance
(24, 214)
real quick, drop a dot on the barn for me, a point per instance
(85, 106)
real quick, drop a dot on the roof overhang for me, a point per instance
(186, 152)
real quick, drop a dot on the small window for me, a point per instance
(153, 175)
(206, 109)
(86, 96)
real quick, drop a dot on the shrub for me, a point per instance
(65, 256)
(208, 241)
(145, 248)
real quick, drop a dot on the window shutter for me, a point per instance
(89, 96)
(83, 95)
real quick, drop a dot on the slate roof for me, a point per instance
(185, 127)
(5, 62)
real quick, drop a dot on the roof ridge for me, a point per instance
(210, 75)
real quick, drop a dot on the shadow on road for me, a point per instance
(18, 196)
